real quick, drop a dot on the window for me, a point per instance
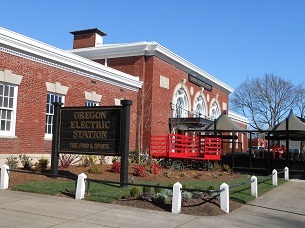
(50, 110)
(92, 98)
(8, 101)
(215, 110)
(200, 107)
(181, 104)
(92, 103)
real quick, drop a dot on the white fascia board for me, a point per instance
(238, 118)
(147, 49)
(67, 59)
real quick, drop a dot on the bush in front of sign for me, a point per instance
(94, 169)
(42, 164)
(115, 167)
(89, 160)
(139, 171)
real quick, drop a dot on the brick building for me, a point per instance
(33, 74)
(176, 95)
(168, 92)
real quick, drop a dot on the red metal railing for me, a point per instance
(188, 147)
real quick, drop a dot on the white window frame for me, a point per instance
(92, 98)
(200, 107)
(91, 103)
(58, 90)
(50, 112)
(11, 109)
(181, 104)
(7, 78)
(214, 110)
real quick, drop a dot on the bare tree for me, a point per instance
(265, 101)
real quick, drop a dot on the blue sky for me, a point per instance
(230, 39)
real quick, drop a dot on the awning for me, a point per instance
(224, 123)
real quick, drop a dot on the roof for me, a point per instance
(224, 123)
(88, 31)
(150, 49)
(295, 130)
(25, 47)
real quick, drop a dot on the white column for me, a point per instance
(274, 177)
(286, 173)
(4, 177)
(176, 201)
(224, 198)
(81, 186)
(254, 186)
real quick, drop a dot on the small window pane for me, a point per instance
(2, 125)
(5, 103)
(1, 89)
(9, 115)
(12, 92)
(11, 100)
(8, 125)
(3, 114)
(6, 90)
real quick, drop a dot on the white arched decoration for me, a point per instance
(200, 105)
(181, 101)
(214, 109)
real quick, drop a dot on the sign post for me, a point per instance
(125, 142)
(55, 129)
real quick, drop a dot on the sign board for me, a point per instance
(90, 130)
(199, 82)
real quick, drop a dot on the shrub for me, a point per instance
(133, 156)
(26, 161)
(157, 189)
(89, 160)
(146, 197)
(197, 195)
(115, 167)
(146, 189)
(134, 192)
(94, 169)
(185, 196)
(42, 164)
(161, 198)
(139, 171)
(65, 160)
(227, 168)
(12, 162)
(116, 159)
(155, 168)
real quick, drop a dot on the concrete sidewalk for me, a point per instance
(282, 207)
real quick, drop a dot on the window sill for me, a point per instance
(8, 137)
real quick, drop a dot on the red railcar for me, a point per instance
(177, 150)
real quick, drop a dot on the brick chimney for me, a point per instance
(88, 38)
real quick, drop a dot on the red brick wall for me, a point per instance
(31, 103)
(84, 41)
(157, 110)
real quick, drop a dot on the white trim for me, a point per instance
(34, 50)
(200, 94)
(238, 118)
(93, 96)
(148, 49)
(12, 132)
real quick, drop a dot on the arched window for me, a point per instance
(180, 104)
(200, 107)
(215, 112)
